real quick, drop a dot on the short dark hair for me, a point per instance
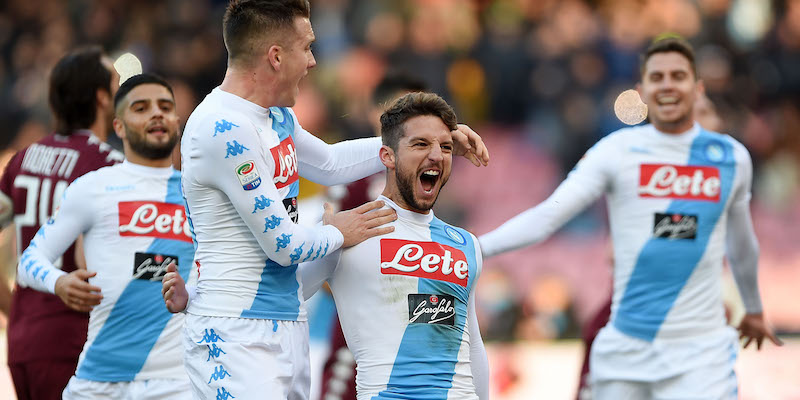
(393, 84)
(246, 21)
(409, 106)
(74, 82)
(668, 43)
(137, 80)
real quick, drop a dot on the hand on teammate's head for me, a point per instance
(470, 145)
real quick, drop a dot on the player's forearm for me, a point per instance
(36, 270)
(343, 162)
(742, 252)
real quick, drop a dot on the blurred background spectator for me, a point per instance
(537, 79)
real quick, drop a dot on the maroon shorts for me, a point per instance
(41, 380)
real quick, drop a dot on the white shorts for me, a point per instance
(699, 367)
(245, 359)
(147, 389)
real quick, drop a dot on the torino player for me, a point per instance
(44, 336)
(243, 152)
(405, 300)
(134, 224)
(678, 198)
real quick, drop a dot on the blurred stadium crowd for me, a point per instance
(536, 78)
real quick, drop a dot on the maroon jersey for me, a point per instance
(40, 326)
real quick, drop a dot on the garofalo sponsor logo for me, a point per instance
(675, 226)
(151, 266)
(431, 309)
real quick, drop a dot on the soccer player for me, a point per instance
(134, 224)
(405, 300)
(44, 336)
(243, 152)
(678, 198)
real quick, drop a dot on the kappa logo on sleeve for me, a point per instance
(248, 176)
(223, 126)
(234, 149)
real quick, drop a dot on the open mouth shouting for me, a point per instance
(428, 180)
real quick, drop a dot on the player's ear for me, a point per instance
(103, 99)
(119, 128)
(387, 156)
(274, 55)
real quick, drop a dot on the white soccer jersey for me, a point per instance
(241, 165)
(134, 224)
(672, 200)
(406, 306)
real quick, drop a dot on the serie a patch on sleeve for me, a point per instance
(248, 175)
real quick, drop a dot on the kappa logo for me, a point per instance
(261, 203)
(223, 394)
(234, 149)
(209, 336)
(219, 373)
(249, 178)
(272, 223)
(296, 254)
(223, 126)
(214, 351)
(283, 241)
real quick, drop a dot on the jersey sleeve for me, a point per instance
(478, 361)
(334, 164)
(585, 183)
(36, 269)
(741, 243)
(236, 165)
(314, 273)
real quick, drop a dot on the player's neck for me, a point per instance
(100, 126)
(675, 128)
(251, 85)
(134, 158)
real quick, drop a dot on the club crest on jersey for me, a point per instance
(431, 309)
(248, 175)
(428, 260)
(285, 158)
(689, 182)
(455, 235)
(154, 219)
(714, 151)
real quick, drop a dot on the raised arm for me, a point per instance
(585, 184)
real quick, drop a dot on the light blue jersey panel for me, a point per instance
(276, 296)
(139, 316)
(427, 356)
(664, 266)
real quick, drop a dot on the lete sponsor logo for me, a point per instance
(429, 260)
(153, 219)
(679, 182)
(285, 158)
(248, 175)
